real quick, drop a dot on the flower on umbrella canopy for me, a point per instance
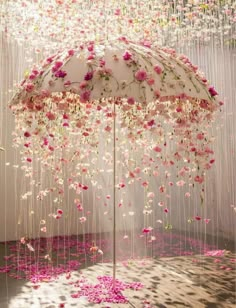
(71, 52)
(212, 91)
(88, 76)
(29, 87)
(51, 116)
(60, 74)
(131, 101)
(127, 56)
(56, 66)
(157, 149)
(158, 69)
(27, 134)
(141, 75)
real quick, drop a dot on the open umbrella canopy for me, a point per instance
(119, 69)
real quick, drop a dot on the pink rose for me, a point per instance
(141, 75)
(29, 87)
(131, 101)
(212, 91)
(51, 116)
(71, 52)
(157, 149)
(127, 56)
(158, 69)
(151, 81)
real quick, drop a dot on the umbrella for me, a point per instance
(153, 90)
(119, 69)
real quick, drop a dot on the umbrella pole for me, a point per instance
(114, 195)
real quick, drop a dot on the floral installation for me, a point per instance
(159, 99)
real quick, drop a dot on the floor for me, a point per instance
(179, 281)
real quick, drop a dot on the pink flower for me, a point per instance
(157, 149)
(141, 75)
(83, 85)
(60, 74)
(29, 87)
(162, 189)
(83, 219)
(157, 93)
(131, 101)
(198, 218)
(59, 212)
(166, 210)
(67, 83)
(179, 109)
(127, 56)
(107, 128)
(122, 185)
(90, 57)
(198, 179)
(102, 62)
(79, 207)
(151, 195)
(29, 160)
(204, 104)
(206, 220)
(158, 69)
(117, 12)
(85, 96)
(27, 134)
(200, 136)
(88, 76)
(151, 123)
(51, 116)
(212, 91)
(71, 52)
(32, 77)
(91, 47)
(151, 81)
(180, 183)
(56, 66)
